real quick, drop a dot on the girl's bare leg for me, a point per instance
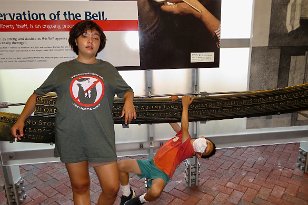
(80, 181)
(108, 175)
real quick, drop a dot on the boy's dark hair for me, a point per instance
(212, 152)
(81, 27)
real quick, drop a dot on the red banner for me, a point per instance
(63, 25)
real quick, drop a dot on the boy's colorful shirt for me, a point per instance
(172, 153)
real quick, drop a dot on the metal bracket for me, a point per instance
(302, 160)
(15, 192)
(192, 171)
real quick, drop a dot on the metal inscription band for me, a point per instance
(40, 127)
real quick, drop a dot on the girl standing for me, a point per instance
(85, 89)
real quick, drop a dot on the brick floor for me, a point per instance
(244, 176)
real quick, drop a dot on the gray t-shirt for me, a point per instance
(84, 122)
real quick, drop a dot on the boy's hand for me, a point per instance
(174, 98)
(187, 100)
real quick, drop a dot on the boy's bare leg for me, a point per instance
(156, 189)
(126, 167)
(131, 166)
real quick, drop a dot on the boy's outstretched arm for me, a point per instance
(186, 101)
(175, 126)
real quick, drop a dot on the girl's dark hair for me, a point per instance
(81, 27)
(212, 152)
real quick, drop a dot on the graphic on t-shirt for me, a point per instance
(87, 90)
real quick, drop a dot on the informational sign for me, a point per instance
(35, 34)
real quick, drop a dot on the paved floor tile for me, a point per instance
(265, 175)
